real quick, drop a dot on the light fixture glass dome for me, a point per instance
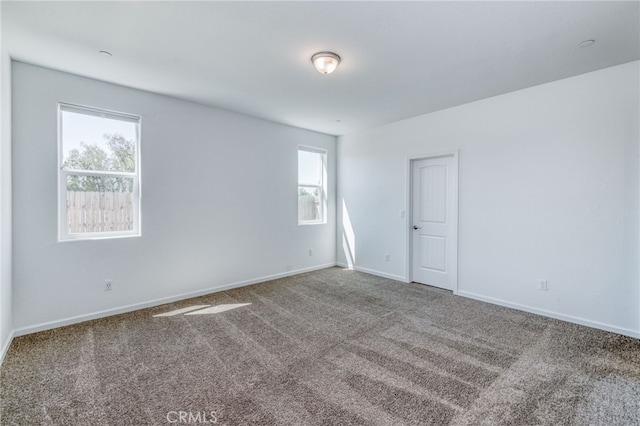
(325, 62)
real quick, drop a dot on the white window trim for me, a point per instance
(322, 187)
(63, 234)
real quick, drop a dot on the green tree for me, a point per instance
(121, 158)
(122, 153)
(302, 192)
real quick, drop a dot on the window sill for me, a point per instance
(95, 237)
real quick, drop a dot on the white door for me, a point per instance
(435, 221)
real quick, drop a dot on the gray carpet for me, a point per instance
(328, 347)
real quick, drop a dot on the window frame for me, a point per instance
(322, 186)
(63, 234)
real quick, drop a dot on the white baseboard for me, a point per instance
(5, 346)
(157, 302)
(373, 272)
(551, 314)
(500, 302)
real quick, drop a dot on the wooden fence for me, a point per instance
(308, 207)
(99, 211)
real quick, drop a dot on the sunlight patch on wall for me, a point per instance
(348, 237)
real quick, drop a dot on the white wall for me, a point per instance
(548, 189)
(219, 204)
(6, 312)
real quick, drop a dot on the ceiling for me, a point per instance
(399, 59)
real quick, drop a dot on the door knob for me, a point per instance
(417, 227)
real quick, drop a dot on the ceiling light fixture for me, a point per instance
(105, 53)
(325, 62)
(587, 43)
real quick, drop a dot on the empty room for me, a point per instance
(305, 213)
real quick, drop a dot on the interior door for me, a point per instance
(434, 216)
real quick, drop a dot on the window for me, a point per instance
(312, 185)
(99, 173)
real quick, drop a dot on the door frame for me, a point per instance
(409, 209)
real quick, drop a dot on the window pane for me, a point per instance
(309, 167)
(92, 142)
(309, 203)
(99, 204)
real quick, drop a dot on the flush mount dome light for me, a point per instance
(325, 62)
(587, 43)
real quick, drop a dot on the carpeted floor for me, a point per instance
(328, 347)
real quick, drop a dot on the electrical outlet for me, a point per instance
(386, 257)
(108, 285)
(543, 285)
